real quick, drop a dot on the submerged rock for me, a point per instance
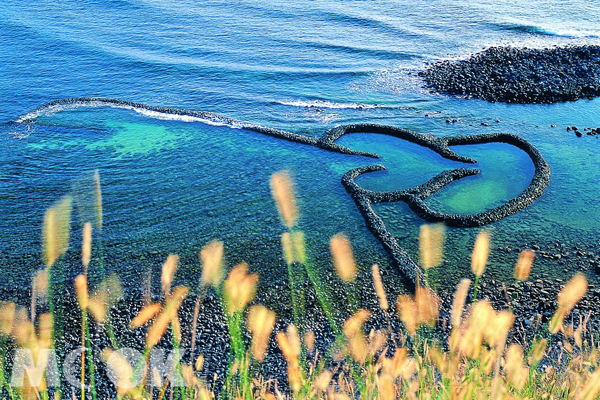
(513, 75)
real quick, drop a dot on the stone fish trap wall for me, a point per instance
(414, 197)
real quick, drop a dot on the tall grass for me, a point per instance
(477, 361)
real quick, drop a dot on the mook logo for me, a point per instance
(126, 368)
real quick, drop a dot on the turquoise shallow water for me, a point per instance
(173, 185)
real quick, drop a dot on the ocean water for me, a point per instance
(171, 184)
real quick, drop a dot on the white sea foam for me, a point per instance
(185, 118)
(573, 33)
(327, 104)
(55, 108)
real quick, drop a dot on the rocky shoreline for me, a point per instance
(520, 75)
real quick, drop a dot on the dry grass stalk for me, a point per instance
(86, 248)
(168, 271)
(166, 316)
(55, 230)
(379, 290)
(287, 247)
(481, 252)
(283, 193)
(81, 289)
(98, 200)
(260, 324)
(458, 303)
(211, 256)
(343, 260)
(240, 288)
(524, 264)
(431, 245)
(145, 315)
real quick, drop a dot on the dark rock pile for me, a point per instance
(512, 75)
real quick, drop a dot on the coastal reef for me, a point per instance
(520, 75)
(414, 197)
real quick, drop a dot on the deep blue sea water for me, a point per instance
(171, 184)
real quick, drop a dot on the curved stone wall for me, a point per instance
(414, 197)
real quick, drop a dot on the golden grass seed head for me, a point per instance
(379, 289)
(309, 340)
(393, 366)
(556, 323)
(199, 363)
(211, 256)
(45, 325)
(498, 327)
(294, 377)
(98, 309)
(458, 303)
(299, 247)
(283, 193)
(55, 230)
(517, 374)
(538, 351)
(481, 251)
(86, 248)
(343, 259)
(573, 291)
(431, 245)
(591, 388)
(49, 243)
(387, 387)
(353, 325)
(289, 344)
(81, 288)
(168, 272)
(7, 317)
(408, 313)
(524, 264)
(105, 295)
(260, 323)
(121, 369)
(145, 315)
(166, 316)
(176, 326)
(240, 288)
(322, 381)
(427, 306)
